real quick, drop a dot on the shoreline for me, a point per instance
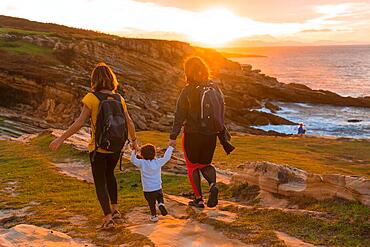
(13, 126)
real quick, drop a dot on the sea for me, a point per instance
(342, 69)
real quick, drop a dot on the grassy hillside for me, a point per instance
(66, 204)
(317, 155)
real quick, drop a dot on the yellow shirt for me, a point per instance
(92, 102)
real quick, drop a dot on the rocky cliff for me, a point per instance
(45, 70)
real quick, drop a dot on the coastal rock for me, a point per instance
(272, 107)
(290, 181)
(354, 120)
(29, 235)
(51, 83)
(257, 118)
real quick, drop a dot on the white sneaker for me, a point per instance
(154, 218)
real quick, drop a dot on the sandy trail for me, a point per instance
(174, 230)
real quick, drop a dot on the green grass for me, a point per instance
(20, 47)
(41, 143)
(346, 224)
(317, 155)
(349, 226)
(61, 197)
(22, 31)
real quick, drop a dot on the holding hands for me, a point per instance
(134, 145)
(172, 143)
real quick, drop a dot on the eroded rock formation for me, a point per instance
(290, 181)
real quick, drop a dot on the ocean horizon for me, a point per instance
(343, 69)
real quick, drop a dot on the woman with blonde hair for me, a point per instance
(200, 109)
(101, 102)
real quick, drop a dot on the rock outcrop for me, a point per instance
(29, 235)
(290, 181)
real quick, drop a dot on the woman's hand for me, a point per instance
(134, 145)
(85, 113)
(172, 143)
(54, 145)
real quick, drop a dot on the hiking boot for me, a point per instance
(198, 203)
(163, 209)
(108, 225)
(116, 215)
(213, 197)
(154, 218)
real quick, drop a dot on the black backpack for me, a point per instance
(212, 109)
(111, 132)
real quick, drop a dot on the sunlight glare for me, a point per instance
(216, 26)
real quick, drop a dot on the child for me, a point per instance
(150, 168)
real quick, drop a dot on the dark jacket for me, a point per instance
(187, 112)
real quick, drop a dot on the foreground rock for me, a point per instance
(292, 241)
(29, 235)
(290, 181)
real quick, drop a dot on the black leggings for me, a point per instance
(105, 182)
(153, 197)
(209, 173)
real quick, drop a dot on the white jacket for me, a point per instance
(151, 170)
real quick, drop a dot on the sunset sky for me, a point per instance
(207, 22)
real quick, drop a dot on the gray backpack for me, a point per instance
(212, 108)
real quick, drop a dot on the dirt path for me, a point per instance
(176, 229)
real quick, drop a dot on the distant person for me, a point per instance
(104, 105)
(200, 108)
(150, 168)
(301, 129)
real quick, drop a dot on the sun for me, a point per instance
(216, 26)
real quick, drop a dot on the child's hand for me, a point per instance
(172, 143)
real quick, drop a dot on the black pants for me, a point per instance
(105, 182)
(153, 197)
(199, 150)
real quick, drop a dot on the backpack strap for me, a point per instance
(101, 96)
(117, 97)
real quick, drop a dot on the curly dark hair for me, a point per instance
(148, 152)
(196, 71)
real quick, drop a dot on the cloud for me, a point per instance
(316, 30)
(210, 26)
